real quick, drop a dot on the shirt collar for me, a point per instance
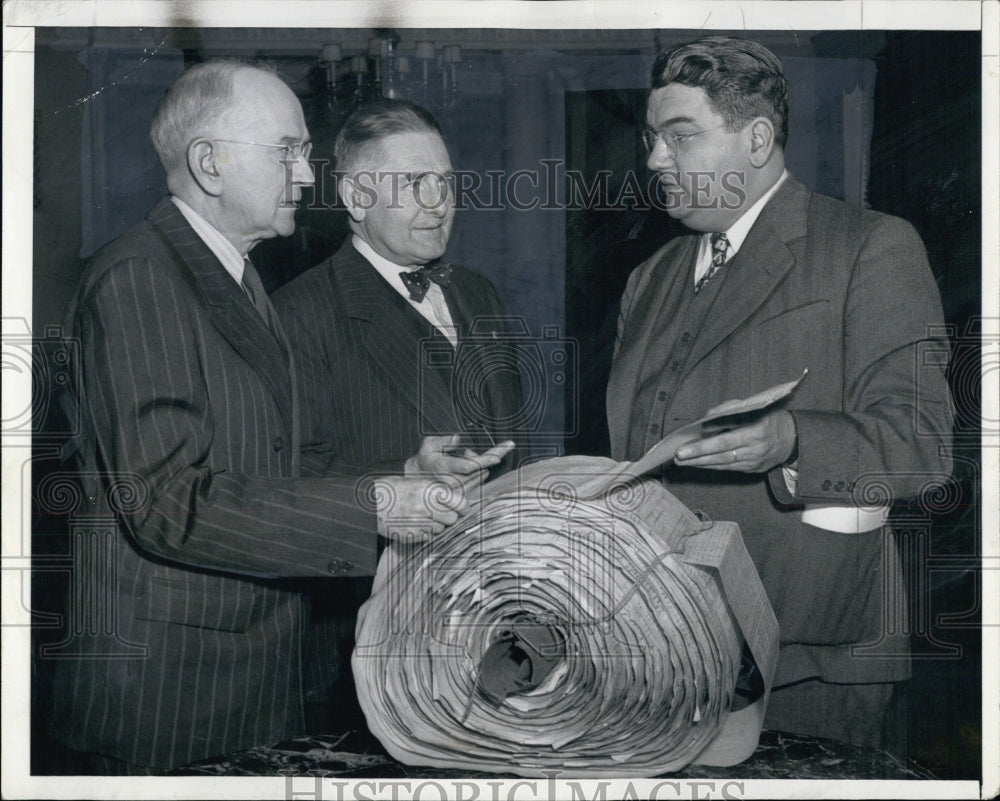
(224, 250)
(387, 269)
(738, 231)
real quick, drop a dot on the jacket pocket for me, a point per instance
(200, 600)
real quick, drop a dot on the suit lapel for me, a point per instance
(293, 385)
(229, 310)
(391, 333)
(462, 301)
(760, 265)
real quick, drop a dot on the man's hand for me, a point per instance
(753, 448)
(437, 457)
(413, 509)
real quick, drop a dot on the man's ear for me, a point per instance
(761, 133)
(352, 199)
(203, 163)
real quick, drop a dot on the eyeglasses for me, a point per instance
(673, 141)
(430, 188)
(293, 151)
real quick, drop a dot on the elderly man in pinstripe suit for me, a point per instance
(189, 395)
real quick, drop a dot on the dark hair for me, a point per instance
(742, 79)
(372, 122)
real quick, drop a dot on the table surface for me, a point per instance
(778, 756)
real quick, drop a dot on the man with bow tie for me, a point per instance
(361, 322)
(391, 344)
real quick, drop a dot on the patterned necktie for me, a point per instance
(719, 247)
(419, 281)
(254, 288)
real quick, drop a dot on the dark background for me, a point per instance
(905, 141)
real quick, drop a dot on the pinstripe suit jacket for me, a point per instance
(190, 398)
(377, 377)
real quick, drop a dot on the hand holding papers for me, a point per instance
(718, 420)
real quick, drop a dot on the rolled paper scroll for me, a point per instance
(558, 628)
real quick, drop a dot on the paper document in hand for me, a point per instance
(665, 450)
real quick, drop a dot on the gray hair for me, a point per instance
(192, 105)
(362, 131)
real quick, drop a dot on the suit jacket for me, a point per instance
(848, 294)
(377, 377)
(189, 402)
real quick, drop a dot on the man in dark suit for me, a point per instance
(391, 344)
(772, 281)
(190, 403)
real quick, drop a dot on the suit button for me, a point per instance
(278, 444)
(661, 397)
(675, 366)
(654, 429)
(827, 484)
(839, 486)
(686, 336)
(336, 566)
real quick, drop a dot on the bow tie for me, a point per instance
(419, 281)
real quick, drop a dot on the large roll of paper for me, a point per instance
(568, 624)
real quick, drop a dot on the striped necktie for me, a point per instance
(720, 244)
